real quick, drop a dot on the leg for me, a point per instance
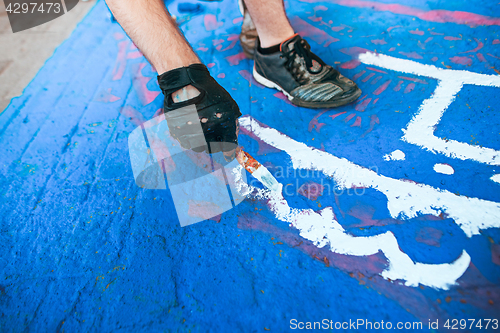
(272, 24)
(156, 34)
(283, 60)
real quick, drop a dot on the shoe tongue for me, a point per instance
(316, 67)
(289, 43)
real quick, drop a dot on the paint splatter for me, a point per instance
(382, 88)
(430, 236)
(307, 30)
(438, 15)
(210, 22)
(461, 60)
(443, 168)
(417, 32)
(409, 88)
(350, 64)
(357, 122)
(412, 55)
(311, 190)
(140, 83)
(121, 62)
(379, 41)
(396, 155)
(236, 58)
(398, 87)
(496, 178)
(362, 106)
(107, 97)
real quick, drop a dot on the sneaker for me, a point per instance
(302, 76)
(248, 34)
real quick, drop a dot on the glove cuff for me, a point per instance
(178, 78)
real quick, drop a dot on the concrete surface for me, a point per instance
(25, 52)
(392, 204)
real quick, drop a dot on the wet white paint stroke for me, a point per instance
(496, 178)
(416, 68)
(323, 229)
(396, 155)
(445, 169)
(420, 130)
(267, 179)
(405, 200)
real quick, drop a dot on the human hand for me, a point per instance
(203, 122)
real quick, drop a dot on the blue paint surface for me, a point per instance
(82, 248)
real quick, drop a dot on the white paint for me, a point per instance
(413, 67)
(396, 155)
(445, 169)
(405, 199)
(496, 178)
(324, 230)
(267, 178)
(420, 130)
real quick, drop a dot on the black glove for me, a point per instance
(213, 103)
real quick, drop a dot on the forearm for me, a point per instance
(154, 32)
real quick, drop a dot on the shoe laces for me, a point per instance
(300, 49)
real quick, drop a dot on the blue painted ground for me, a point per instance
(82, 248)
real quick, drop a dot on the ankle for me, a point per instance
(269, 50)
(270, 41)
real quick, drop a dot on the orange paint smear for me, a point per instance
(247, 161)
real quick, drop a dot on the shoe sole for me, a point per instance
(313, 105)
